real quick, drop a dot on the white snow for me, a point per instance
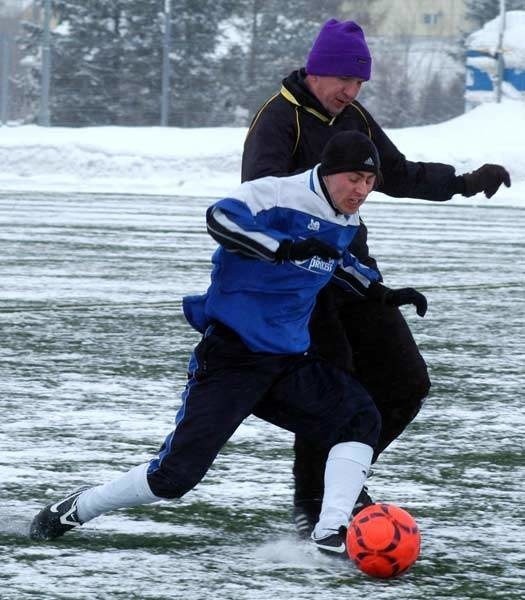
(486, 38)
(206, 161)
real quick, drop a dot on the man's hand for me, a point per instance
(486, 179)
(389, 297)
(304, 249)
(407, 296)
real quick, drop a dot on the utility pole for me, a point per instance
(46, 66)
(501, 60)
(166, 46)
(4, 80)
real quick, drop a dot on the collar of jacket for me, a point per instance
(293, 100)
(295, 91)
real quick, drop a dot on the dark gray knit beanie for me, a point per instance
(349, 151)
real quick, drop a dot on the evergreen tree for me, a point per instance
(27, 80)
(197, 89)
(86, 62)
(440, 102)
(107, 61)
(139, 66)
(275, 37)
(226, 58)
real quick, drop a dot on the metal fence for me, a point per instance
(16, 108)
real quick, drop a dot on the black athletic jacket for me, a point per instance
(290, 130)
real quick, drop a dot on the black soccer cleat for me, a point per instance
(333, 544)
(56, 519)
(363, 500)
(305, 517)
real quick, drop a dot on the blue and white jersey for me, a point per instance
(269, 303)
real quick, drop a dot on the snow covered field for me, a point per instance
(206, 162)
(92, 363)
(94, 352)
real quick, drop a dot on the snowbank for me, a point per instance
(206, 162)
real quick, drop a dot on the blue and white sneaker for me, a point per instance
(56, 519)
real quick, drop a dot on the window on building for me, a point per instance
(431, 18)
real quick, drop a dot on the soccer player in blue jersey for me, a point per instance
(281, 240)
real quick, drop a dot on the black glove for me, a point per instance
(304, 249)
(389, 297)
(486, 179)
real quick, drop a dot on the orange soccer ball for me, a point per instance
(383, 540)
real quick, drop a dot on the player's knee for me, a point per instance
(420, 385)
(405, 396)
(416, 395)
(407, 383)
(364, 426)
(172, 485)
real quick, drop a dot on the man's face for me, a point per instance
(349, 190)
(334, 93)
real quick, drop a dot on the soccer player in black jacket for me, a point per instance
(287, 135)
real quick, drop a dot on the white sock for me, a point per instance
(345, 474)
(130, 489)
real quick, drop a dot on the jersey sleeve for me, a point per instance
(353, 276)
(243, 223)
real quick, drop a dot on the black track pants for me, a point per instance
(227, 382)
(376, 344)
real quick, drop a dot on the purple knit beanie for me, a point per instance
(340, 50)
